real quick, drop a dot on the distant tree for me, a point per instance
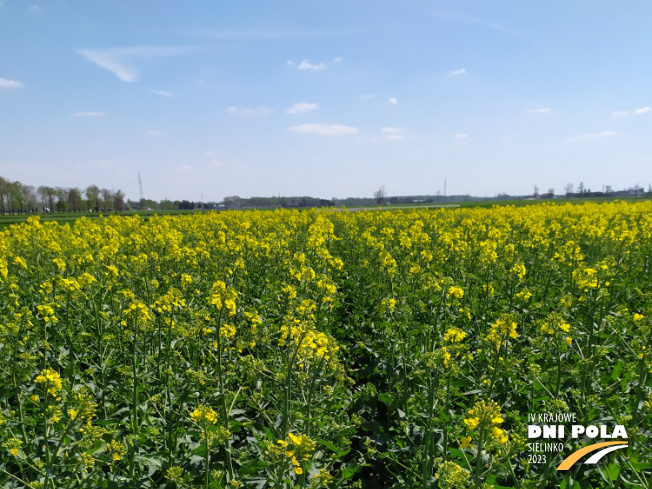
(569, 188)
(62, 199)
(119, 200)
(536, 190)
(31, 200)
(551, 191)
(168, 205)
(51, 193)
(580, 188)
(107, 199)
(608, 189)
(16, 197)
(233, 201)
(380, 195)
(4, 191)
(74, 199)
(44, 197)
(93, 198)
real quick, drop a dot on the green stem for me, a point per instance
(19, 480)
(206, 459)
(478, 460)
(48, 461)
(225, 411)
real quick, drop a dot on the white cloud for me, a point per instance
(109, 61)
(89, 114)
(596, 135)
(337, 59)
(461, 136)
(247, 111)
(118, 60)
(6, 83)
(542, 110)
(301, 107)
(461, 71)
(624, 113)
(152, 132)
(392, 101)
(163, 93)
(324, 129)
(395, 133)
(365, 96)
(35, 9)
(307, 65)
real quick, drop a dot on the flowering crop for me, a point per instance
(323, 349)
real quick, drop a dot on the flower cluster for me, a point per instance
(51, 379)
(299, 448)
(223, 297)
(501, 331)
(555, 326)
(485, 418)
(204, 415)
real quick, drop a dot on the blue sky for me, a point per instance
(325, 98)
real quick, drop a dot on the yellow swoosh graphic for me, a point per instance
(575, 456)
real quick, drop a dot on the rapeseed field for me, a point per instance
(326, 349)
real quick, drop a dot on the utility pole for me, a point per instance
(140, 185)
(444, 188)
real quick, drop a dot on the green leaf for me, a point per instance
(348, 472)
(615, 373)
(327, 444)
(385, 397)
(613, 470)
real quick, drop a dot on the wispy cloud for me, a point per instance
(471, 20)
(35, 9)
(306, 65)
(6, 83)
(366, 96)
(119, 60)
(264, 34)
(89, 114)
(624, 113)
(337, 59)
(396, 133)
(542, 110)
(461, 136)
(392, 101)
(461, 71)
(110, 60)
(248, 111)
(597, 135)
(324, 129)
(302, 107)
(163, 93)
(152, 132)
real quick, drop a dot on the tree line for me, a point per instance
(17, 198)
